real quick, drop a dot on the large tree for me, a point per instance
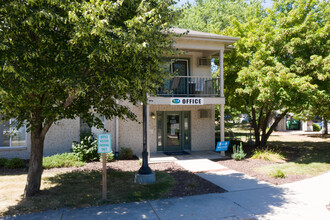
(214, 15)
(305, 48)
(281, 62)
(60, 58)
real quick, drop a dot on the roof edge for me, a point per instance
(197, 34)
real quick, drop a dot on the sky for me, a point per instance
(267, 3)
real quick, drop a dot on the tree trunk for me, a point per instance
(264, 138)
(255, 126)
(325, 126)
(35, 164)
(265, 135)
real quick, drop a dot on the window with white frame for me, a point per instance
(10, 136)
(86, 130)
(96, 130)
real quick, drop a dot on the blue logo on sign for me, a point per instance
(176, 101)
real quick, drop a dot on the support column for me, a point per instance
(222, 106)
(222, 95)
(222, 125)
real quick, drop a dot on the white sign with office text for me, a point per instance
(187, 101)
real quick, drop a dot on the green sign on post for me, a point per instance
(104, 146)
(104, 143)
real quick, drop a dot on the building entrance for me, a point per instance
(173, 131)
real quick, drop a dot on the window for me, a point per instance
(180, 67)
(10, 136)
(85, 130)
(96, 130)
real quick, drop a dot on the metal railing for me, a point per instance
(190, 86)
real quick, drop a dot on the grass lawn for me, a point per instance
(293, 168)
(304, 154)
(289, 157)
(77, 189)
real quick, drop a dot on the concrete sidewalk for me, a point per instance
(247, 198)
(304, 199)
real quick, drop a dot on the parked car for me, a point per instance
(321, 124)
(244, 118)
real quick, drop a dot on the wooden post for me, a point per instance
(104, 177)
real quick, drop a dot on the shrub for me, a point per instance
(15, 163)
(277, 174)
(85, 133)
(3, 161)
(125, 153)
(86, 150)
(268, 154)
(316, 127)
(61, 160)
(238, 152)
(109, 157)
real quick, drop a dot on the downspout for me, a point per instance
(117, 135)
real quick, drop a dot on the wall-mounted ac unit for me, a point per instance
(204, 113)
(204, 62)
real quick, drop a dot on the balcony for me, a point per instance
(190, 86)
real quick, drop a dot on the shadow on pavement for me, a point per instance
(256, 197)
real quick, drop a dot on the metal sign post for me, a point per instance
(104, 147)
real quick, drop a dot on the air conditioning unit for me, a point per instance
(204, 62)
(204, 113)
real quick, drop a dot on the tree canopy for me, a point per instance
(281, 62)
(213, 15)
(60, 58)
(306, 27)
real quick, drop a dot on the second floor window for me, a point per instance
(180, 67)
(10, 136)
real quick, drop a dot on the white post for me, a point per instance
(222, 125)
(222, 106)
(222, 95)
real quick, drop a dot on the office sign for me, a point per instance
(222, 146)
(104, 143)
(187, 101)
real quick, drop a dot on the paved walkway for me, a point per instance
(305, 199)
(247, 198)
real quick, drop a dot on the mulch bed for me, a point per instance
(186, 183)
(247, 167)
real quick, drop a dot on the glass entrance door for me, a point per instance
(173, 132)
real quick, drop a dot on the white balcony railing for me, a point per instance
(191, 86)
